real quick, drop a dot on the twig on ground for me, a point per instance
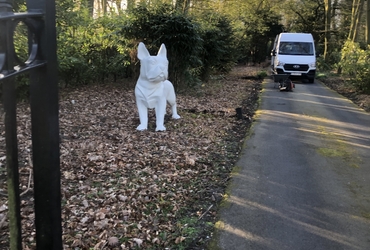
(102, 247)
(29, 177)
(205, 212)
(226, 179)
(29, 183)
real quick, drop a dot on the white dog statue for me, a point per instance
(153, 90)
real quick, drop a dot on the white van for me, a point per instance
(294, 54)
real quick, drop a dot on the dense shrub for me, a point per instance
(196, 47)
(259, 30)
(164, 25)
(88, 49)
(92, 50)
(218, 48)
(355, 63)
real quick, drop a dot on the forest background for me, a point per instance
(97, 39)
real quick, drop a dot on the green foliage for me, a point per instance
(179, 33)
(183, 41)
(255, 25)
(91, 50)
(305, 16)
(355, 63)
(88, 49)
(322, 65)
(262, 74)
(21, 49)
(260, 29)
(218, 53)
(206, 38)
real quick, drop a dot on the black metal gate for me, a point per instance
(41, 66)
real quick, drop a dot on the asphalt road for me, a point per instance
(303, 180)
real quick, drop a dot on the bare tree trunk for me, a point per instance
(351, 28)
(118, 4)
(90, 5)
(104, 6)
(183, 6)
(99, 7)
(130, 4)
(358, 18)
(333, 15)
(357, 8)
(327, 27)
(367, 30)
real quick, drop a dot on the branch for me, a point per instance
(205, 212)
(29, 177)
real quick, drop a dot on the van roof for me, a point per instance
(291, 37)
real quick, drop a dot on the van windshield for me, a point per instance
(296, 48)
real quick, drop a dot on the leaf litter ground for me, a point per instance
(125, 189)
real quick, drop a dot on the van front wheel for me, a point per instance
(311, 80)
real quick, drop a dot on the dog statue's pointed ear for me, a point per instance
(142, 52)
(162, 51)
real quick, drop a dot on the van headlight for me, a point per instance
(280, 63)
(313, 65)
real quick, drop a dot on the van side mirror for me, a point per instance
(273, 52)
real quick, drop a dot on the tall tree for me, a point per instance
(328, 13)
(357, 7)
(367, 31)
(130, 4)
(182, 6)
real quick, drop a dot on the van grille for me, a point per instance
(294, 67)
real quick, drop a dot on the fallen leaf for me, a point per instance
(113, 241)
(118, 181)
(179, 239)
(85, 203)
(122, 197)
(138, 241)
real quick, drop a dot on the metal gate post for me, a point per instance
(12, 164)
(42, 68)
(9, 100)
(45, 134)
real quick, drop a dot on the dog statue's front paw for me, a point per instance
(141, 127)
(160, 128)
(176, 116)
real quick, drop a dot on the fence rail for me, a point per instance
(41, 66)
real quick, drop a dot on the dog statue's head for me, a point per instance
(153, 68)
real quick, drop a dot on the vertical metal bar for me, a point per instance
(45, 134)
(45, 141)
(9, 97)
(44, 117)
(10, 109)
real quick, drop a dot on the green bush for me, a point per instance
(262, 74)
(89, 50)
(218, 51)
(179, 33)
(93, 50)
(355, 63)
(258, 30)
